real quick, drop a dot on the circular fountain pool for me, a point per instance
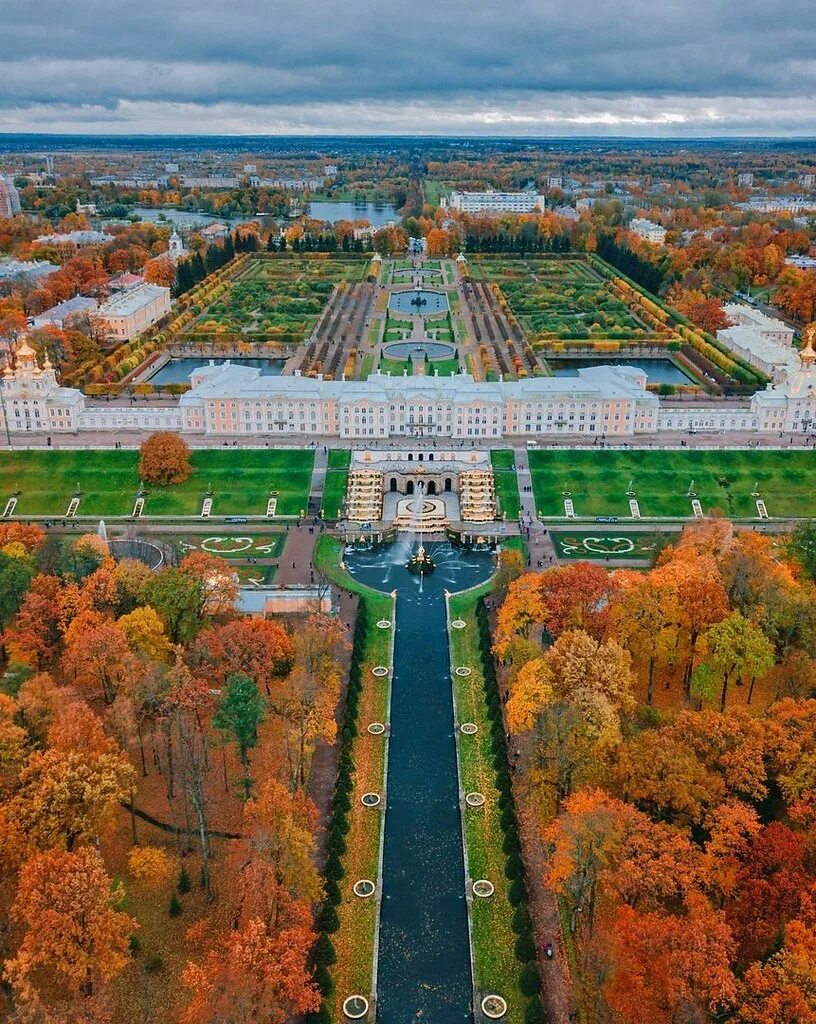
(418, 349)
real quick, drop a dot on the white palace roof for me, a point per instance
(232, 381)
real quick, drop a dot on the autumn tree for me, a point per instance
(64, 797)
(75, 941)
(164, 458)
(217, 580)
(667, 964)
(736, 651)
(573, 696)
(260, 648)
(255, 974)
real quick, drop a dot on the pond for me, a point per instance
(177, 371)
(187, 219)
(409, 349)
(424, 960)
(422, 302)
(377, 214)
(658, 371)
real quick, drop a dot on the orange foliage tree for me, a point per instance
(164, 458)
(76, 940)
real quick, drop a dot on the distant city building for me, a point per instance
(110, 179)
(330, 170)
(567, 212)
(80, 239)
(122, 282)
(13, 269)
(745, 179)
(250, 169)
(132, 311)
(293, 184)
(648, 230)
(556, 181)
(214, 232)
(497, 202)
(171, 168)
(779, 204)
(64, 313)
(9, 198)
(586, 202)
(89, 209)
(807, 180)
(802, 262)
(216, 181)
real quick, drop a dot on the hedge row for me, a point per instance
(529, 980)
(324, 954)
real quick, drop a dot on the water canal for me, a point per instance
(424, 957)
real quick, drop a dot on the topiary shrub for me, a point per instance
(529, 980)
(175, 908)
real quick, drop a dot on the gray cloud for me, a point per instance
(534, 67)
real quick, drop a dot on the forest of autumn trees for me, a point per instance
(157, 838)
(667, 751)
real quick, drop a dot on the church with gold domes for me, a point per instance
(33, 399)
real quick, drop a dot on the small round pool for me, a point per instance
(423, 302)
(418, 349)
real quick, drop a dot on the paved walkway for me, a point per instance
(297, 560)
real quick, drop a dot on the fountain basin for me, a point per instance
(423, 302)
(418, 349)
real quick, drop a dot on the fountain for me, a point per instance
(419, 300)
(102, 532)
(420, 563)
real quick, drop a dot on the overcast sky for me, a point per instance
(507, 67)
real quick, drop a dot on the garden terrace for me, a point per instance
(107, 483)
(562, 302)
(333, 348)
(502, 346)
(598, 482)
(272, 298)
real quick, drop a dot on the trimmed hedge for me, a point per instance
(529, 982)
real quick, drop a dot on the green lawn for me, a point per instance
(504, 476)
(109, 480)
(334, 490)
(598, 480)
(496, 965)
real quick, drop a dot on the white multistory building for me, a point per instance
(9, 198)
(131, 312)
(648, 230)
(497, 202)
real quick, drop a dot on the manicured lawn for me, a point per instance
(497, 967)
(246, 544)
(109, 480)
(334, 490)
(616, 543)
(504, 477)
(598, 480)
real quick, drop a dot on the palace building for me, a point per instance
(230, 400)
